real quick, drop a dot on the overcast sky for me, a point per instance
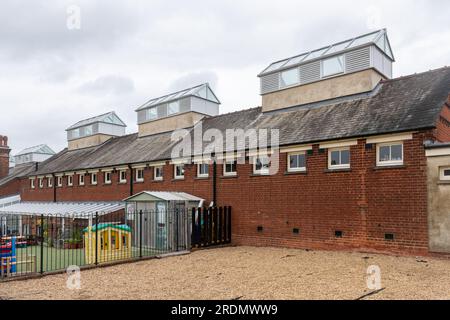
(126, 52)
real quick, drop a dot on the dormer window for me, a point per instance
(152, 113)
(290, 77)
(174, 107)
(333, 66)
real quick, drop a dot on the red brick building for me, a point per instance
(352, 166)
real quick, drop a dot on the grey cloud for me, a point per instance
(110, 84)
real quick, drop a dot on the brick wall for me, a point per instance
(364, 203)
(443, 125)
(10, 188)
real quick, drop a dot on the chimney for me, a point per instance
(4, 156)
(342, 69)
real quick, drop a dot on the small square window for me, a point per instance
(70, 180)
(107, 177)
(296, 231)
(444, 173)
(338, 234)
(260, 229)
(296, 162)
(230, 168)
(81, 179)
(123, 176)
(179, 171)
(202, 170)
(261, 165)
(389, 154)
(140, 175)
(93, 178)
(389, 237)
(158, 173)
(339, 158)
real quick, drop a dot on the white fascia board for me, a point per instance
(437, 152)
(180, 161)
(201, 159)
(230, 155)
(107, 170)
(139, 166)
(157, 164)
(81, 172)
(298, 148)
(390, 138)
(32, 178)
(261, 152)
(48, 176)
(338, 144)
(69, 173)
(93, 171)
(59, 174)
(122, 168)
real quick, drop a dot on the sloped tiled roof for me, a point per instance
(21, 170)
(408, 103)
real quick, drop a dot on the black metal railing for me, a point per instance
(211, 226)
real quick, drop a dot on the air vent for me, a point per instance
(260, 229)
(357, 60)
(310, 72)
(338, 234)
(389, 237)
(270, 83)
(296, 231)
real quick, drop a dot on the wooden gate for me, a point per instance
(211, 226)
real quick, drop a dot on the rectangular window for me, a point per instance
(41, 183)
(81, 179)
(75, 133)
(70, 181)
(140, 175)
(152, 113)
(261, 165)
(88, 130)
(202, 170)
(123, 176)
(158, 173)
(59, 181)
(107, 177)
(332, 66)
(179, 171)
(296, 162)
(230, 168)
(289, 77)
(445, 173)
(339, 158)
(390, 154)
(93, 178)
(32, 183)
(174, 107)
(50, 182)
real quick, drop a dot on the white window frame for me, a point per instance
(287, 85)
(70, 180)
(175, 104)
(123, 180)
(299, 169)
(107, 180)
(50, 182)
(322, 67)
(94, 182)
(59, 182)
(202, 175)
(32, 186)
(158, 178)
(262, 172)
(231, 173)
(175, 176)
(339, 166)
(149, 114)
(390, 162)
(81, 179)
(443, 177)
(137, 174)
(41, 183)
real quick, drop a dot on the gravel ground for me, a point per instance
(249, 273)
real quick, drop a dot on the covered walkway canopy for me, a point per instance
(7, 201)
(62, 208)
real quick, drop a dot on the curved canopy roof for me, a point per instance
(379, 38)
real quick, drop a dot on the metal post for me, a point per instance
(42, 244)
(140, 234)
(96, 238)
(177, 229)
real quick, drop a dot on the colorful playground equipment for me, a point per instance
(114, 242)
(8, 256)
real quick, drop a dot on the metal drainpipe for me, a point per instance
(131, 179)
(214, 181)
(54, 187)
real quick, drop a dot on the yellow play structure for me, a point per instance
(114, 242)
